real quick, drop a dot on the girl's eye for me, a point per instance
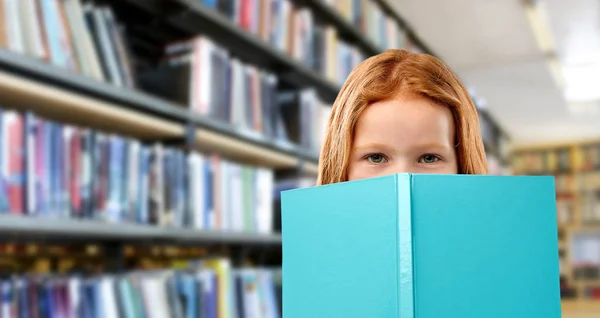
(429, 159)
(376, 158)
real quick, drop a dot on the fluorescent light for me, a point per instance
(536, 14)
(535, 11)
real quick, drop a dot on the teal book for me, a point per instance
(422, 246)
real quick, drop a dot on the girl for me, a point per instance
(401, 112)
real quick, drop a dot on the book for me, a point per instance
(422, 246)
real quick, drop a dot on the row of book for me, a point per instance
(543, 161)
(570, 184)
(581, 158)
(567, 184)
(577, 182)
(87, 38)
(210, 288)
(578, 191)
(208, 79)
(368, 17)
(56, 170)
(295, 31)
(80, 37)
(569, 196)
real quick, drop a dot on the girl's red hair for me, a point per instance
(384, 76)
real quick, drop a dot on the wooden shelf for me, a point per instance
(310, 168)
(244, 151)
(68, 107)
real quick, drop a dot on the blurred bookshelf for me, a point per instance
(576, 168)
(147, 151)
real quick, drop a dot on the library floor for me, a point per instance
(581, 309)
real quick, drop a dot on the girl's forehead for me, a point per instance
(404, 121)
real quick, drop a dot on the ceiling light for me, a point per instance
(536, 15)
(582, 82)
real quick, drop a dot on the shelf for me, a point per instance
(193, 17)
(310, 168)
(89, 230)
(239, 149)
(70, 81)
(29, 84)
(61, 105)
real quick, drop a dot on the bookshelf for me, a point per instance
(191, 17)
(575, 167)
(53, 80)
(33, 85)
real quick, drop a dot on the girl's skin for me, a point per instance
(405, 134)
(401, 112)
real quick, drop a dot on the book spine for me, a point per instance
(4, 203)
(75, 173)
(16, 162)
(404, 258)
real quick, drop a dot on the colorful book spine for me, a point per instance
(64, 171)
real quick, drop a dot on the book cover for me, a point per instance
(422, 246)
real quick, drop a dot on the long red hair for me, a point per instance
(382, 77)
